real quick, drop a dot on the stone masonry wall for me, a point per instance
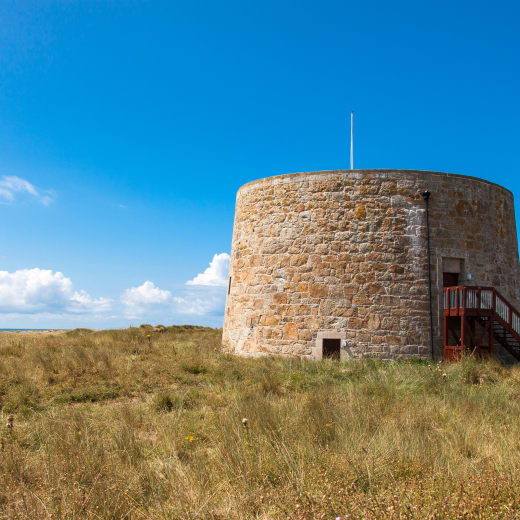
(345, 252)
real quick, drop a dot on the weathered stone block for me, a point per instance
(290, 331)
(317, 290)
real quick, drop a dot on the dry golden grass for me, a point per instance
(113, 425)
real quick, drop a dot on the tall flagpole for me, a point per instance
(351, 139)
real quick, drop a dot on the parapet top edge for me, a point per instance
(377, 170)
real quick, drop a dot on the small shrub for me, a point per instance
(475, 372)
(164, 402)
(194, 367)
(159, 328)
(14, 349)
(169, 401)
(272, 386)
(93, 395)
(74, 333)
(46, 360)
(146, 326)
(21, 398)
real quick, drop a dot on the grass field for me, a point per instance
(115, 424)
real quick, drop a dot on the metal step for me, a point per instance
(508, 342)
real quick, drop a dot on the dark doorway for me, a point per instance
(331, 348)
(450, 279)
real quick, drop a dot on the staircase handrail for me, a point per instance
(502, 310)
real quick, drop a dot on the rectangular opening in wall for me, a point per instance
(450, 279)
(452, 269)
(331, 348)
(229, 285)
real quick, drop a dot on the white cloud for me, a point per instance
(155, 303)
(208, 302)
(215, 274)
(142, 299)
(81, 301)
(46, 295)
(34, 291)
(10, 185)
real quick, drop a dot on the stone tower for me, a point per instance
(342, 255)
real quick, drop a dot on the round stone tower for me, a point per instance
(337, 261)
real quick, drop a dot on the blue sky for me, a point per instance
(126, 128)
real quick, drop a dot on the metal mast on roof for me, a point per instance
(351, 139)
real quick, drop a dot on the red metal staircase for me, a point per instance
(477, 317)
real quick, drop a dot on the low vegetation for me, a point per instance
(157, 423)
